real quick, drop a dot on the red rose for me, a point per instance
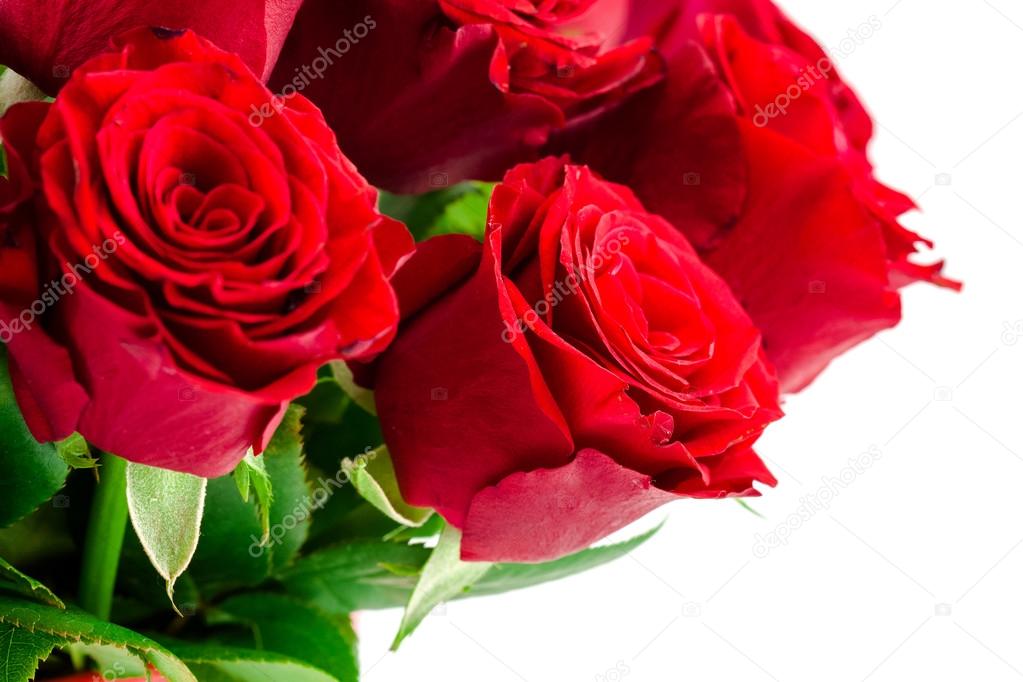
(753, 139)
(45, 40)
(423, 94)
(579, 369)
(191, 271)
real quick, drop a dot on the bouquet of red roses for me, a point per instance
(381, 303)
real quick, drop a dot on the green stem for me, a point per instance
(104, 537)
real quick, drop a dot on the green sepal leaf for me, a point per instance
(35, 626)
(444, 577)
(32, 472)
(251, 474)
(373, 476)
(166, 509)
(287, 626)
(75, 452)
(13, 579)
(14, 88)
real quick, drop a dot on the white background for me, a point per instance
(915, 571)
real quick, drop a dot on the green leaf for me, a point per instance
(166, 510)
(251, 473)
(420, 212)
(507, 577)
(430, 529)
(356, 576)
(41, 536)
(444, 577)
(231, 553)
(363, 397)
(292, 505)
(373, 476)
(15, 580)
(381, 575)
(287, 626)
(746, 505)
(24, 651)
(232, 664)
(111, 663)
(461, 208)
(31, 627)
(467, 214)
(32, 472)
(326, 403)
(75, 452)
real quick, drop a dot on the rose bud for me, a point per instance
(45, 40)
(426, 94)
(577, 370)
(190, 271)
(756, 148)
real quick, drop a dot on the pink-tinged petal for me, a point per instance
(542, 514)
(45, 40)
